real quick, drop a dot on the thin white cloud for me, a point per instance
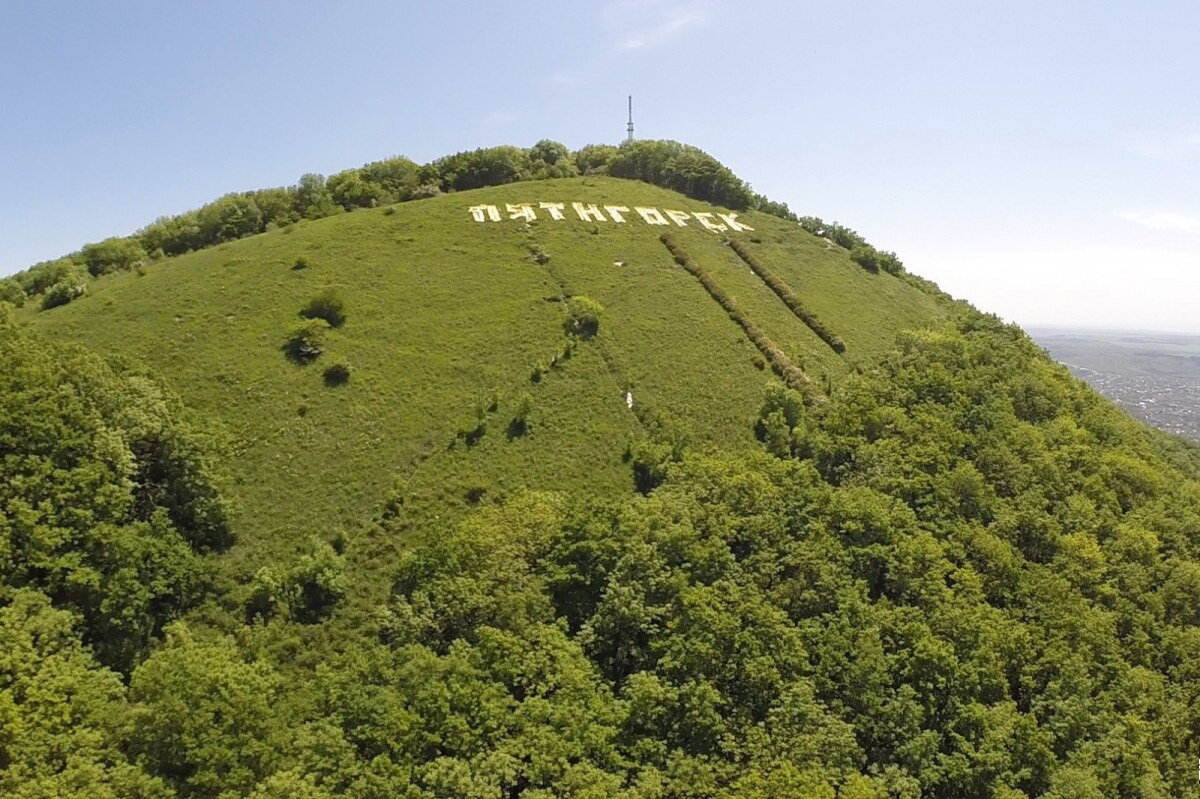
(642, 24)
(1166, 145)
(1163, 220)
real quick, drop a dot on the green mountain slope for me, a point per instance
(920, 561)
(444, 314)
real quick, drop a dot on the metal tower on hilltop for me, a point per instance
(629, 127)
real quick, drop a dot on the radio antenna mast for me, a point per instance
(629, 128)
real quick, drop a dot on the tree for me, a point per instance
(351, 190)
(112, 254)
(203, 717)
(312, 197)
(63, 292)
(233, 216)
(594, 159)
(62, 716)
(550, 159)
(106, 493)
(397, 177)
(11, 292)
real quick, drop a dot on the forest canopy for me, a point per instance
(964, 575)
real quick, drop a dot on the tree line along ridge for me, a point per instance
(663, 163)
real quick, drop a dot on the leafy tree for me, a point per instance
(312, 197)
(681, 168)
(62, 717)
(234, 216)
(397, 177)
(107, 492)
(112, 254)
(306, 591)
(493, 166)
(40, 277)
(11, 292)
(550, 159)
(203, 718)
(594, 159)
(351, 190)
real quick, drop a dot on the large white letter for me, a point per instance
(478, 211)
(615, 212)
(555, 209)
(731, 220)
(706, 219)
(521, 211)
(651, 216)
(678, 217)
(588, 212)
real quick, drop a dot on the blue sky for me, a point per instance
(1041, 159)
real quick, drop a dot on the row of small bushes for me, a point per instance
(785, 293)
(780, 362)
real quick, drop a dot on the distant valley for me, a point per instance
(1155, 376)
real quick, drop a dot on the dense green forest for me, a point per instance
(669, 517)
(963, 575)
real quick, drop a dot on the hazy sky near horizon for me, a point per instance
(1040, 159)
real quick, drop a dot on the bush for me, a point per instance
(307, 342)
(62, 293)
(865, 257)
(583, 317)
(337, 374)
(425, 191)
(519, 424)
(327, 305)
(301, 263)
(305, 592)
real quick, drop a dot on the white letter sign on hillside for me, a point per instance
(650, 216)
(590, 212)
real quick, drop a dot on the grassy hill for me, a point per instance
(444, 315)
(918, 560)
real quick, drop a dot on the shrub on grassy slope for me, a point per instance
(306, 342)
(62, 293)
(327, 305)
(583, 317)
